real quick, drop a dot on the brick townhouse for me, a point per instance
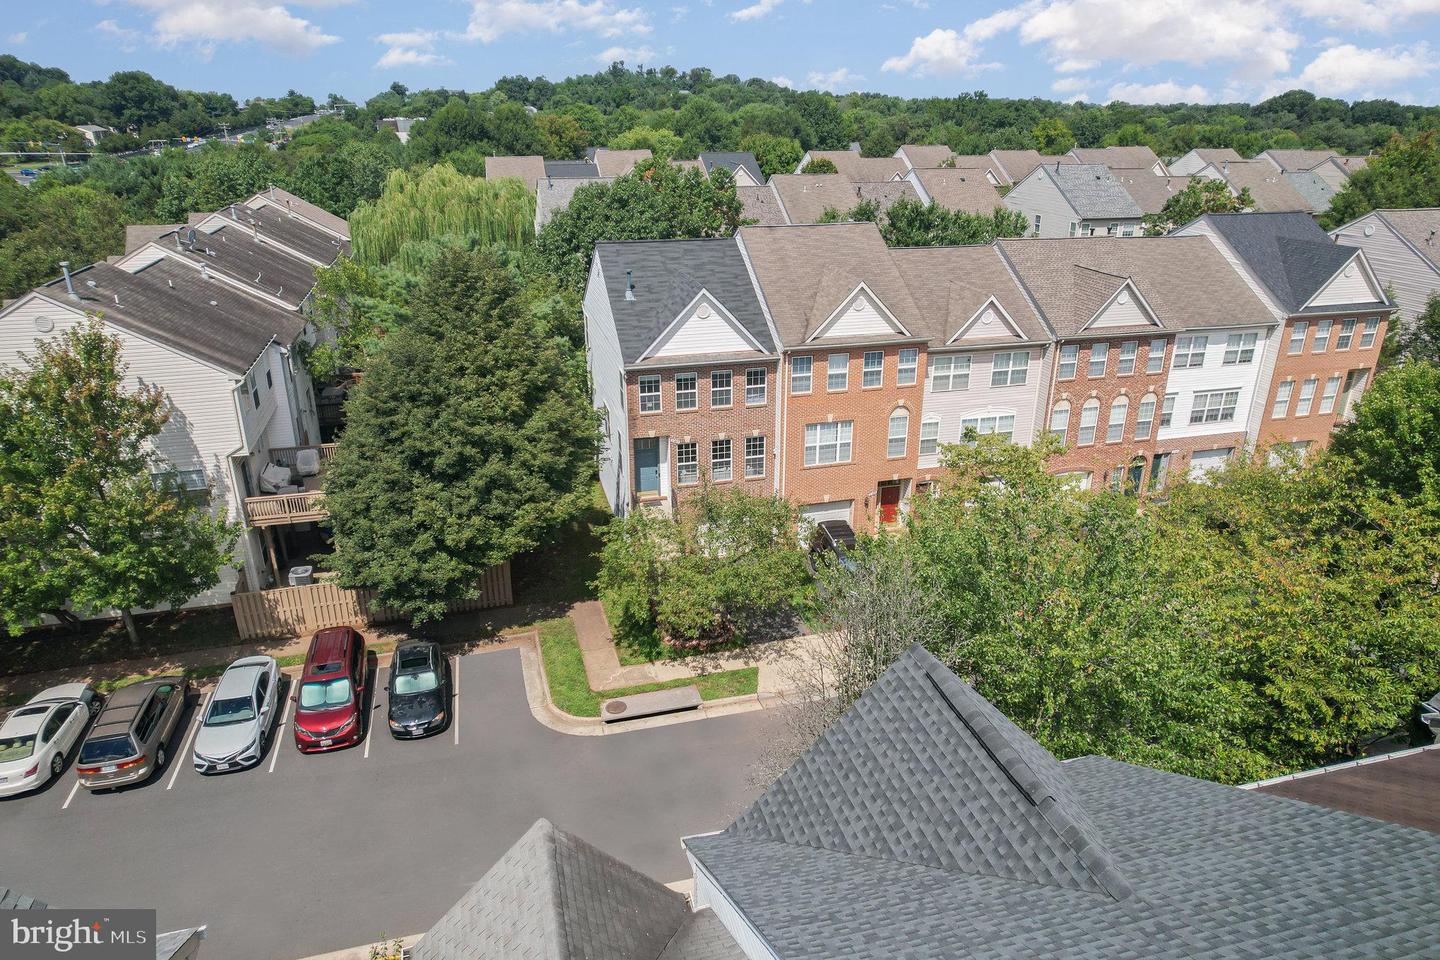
(1332, 311)
(1157, 355)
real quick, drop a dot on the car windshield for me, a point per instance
(422, 682)
(16, 748)
(230, 710)
(320, 694)
(105, 749)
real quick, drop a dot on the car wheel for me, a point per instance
(160, 756)
(57, 764)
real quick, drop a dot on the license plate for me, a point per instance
(109, 768)
(416, 727)
(222, 766)
(326, 743)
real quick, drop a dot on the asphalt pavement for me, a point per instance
(305, 854)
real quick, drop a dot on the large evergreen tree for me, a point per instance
(468, 441)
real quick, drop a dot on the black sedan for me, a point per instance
(419, 690)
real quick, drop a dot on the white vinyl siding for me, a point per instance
(606, 366)
(1396, 264)
(1239, 349)
(1189, 352)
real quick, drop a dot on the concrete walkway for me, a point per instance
(605, 672)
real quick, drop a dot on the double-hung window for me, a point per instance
(872, 372)
(1327, 399)
(1322, 336)
(801, 374)
(1190, 352)
(687, 462)
(898, 438)
(1155, 358)
(908, 368)
(1002, 424)
(1145, 417)
(720, 463)
(1372, 327)
(1347, 333)
(1307, 397)
(1239, 348)
(929, 437)
(1216, 406)
(1060, 420)
(650, 393)
(1099, 354)
(1089, 416)
(1167, 410)
(1010, 369)
(754, 457)
(1115, 428)
(722, 392)
(687, 393)
(1297, 337)
(828, 442)
(837, 376)
(1069, 357)
(756, 381)
(1282, 399)
(949, 373)
(1128, 351)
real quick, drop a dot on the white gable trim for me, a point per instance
(1005, 318)
(862, 290)
(684, 315)
(1369, 276)
(1127, 287)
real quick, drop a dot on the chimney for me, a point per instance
(629, 285)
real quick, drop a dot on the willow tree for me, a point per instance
(416, 208)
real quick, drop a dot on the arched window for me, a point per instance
(1060, 420)
(898, 437)
(1145, 418)
(1115, 428)
(1089, 416)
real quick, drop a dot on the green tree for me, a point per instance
(41, 227)
(468, 441)
(819, 165)
(90, 515)
(1199, 197)
(664, 144)
(1405, 174)
(1053, 136)
(1393, 442)
(1417, 339)
(909, 223)
(775, 154)
(355, 309)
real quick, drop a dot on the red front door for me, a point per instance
(889, 502)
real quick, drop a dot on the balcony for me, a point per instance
(304, 503)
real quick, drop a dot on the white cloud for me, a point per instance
(123, 37)
(413, 48)
(631, 55)
(783, 81)
(938, 52)
(1378, 16)
(1070, 84)
(492, 19)
(1166, 92)
(1347, 69)
(17, 38)
(756, 10)
(834, 80)
(208, 23)
(1075, 65)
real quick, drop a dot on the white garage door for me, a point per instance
(1203, 461)
(838, 510)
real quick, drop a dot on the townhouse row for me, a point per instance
(816, 363)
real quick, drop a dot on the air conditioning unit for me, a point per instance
(302, 576)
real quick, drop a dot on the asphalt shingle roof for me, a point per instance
(1016, 165)
(312, 212)
(1268, 187)
(1290, 160)
(730, 161)
(761, 205)
(528, 168)
(553, 194)
(1124, 157)
(806, 197)
(290, 231)
(959, 189)
(856, 167)
(924, 825)
(231, 250)
(571, 168)
(927, 156)
(617, 163)
(1149, 192)
(1419, 225)
(951, 284)
(1092, 190)
(1289, 252)
(1313, 188)
(15, 900)
(668, 274)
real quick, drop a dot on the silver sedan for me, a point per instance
(240, 716)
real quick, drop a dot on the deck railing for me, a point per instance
(283, 508)
(285, 456)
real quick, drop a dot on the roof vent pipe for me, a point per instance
(629, 285)
(233, 214)
(204, 271)
(117, 299)
(69, 283)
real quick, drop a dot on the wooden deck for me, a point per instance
(303, 506)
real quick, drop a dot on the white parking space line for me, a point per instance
(370, 719)
(71, 795)
(179, 760)
(455, 701)
(279, 732)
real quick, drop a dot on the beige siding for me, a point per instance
(1397, 265)
(1039, 196)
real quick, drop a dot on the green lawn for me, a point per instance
(570, 689)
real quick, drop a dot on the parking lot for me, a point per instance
(304, 854)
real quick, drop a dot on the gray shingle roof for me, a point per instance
(1289, 252)
(571, 168)
(1016, 165)
(553, 896)
(1268, 187)
(171, 303)
(15, 900)
(731, 160)
(553, 194)
(169, 944)
(1092, 190)
(231, 250)
(924, 826)
(308, 210)
(761, 205)
(668, 274)
(1313, 188)
(292, 232)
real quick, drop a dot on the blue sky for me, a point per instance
(1098, 50)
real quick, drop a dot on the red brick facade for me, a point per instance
(1313, 385)
(869, 409)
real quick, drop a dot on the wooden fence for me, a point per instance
(300, 611)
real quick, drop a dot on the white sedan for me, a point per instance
(240, 717)
(36, 738)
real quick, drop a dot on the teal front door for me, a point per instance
(647, 465)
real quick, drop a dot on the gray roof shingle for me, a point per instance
(1093, 191)
(951, 284)
(230, 249)
(1313, 188)
(730, 161)
(761, 205)
(668, 274)
(982, 847)
(553, 194)
(1289, 252)
(290, 231)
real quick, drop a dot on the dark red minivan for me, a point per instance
(329, 710)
